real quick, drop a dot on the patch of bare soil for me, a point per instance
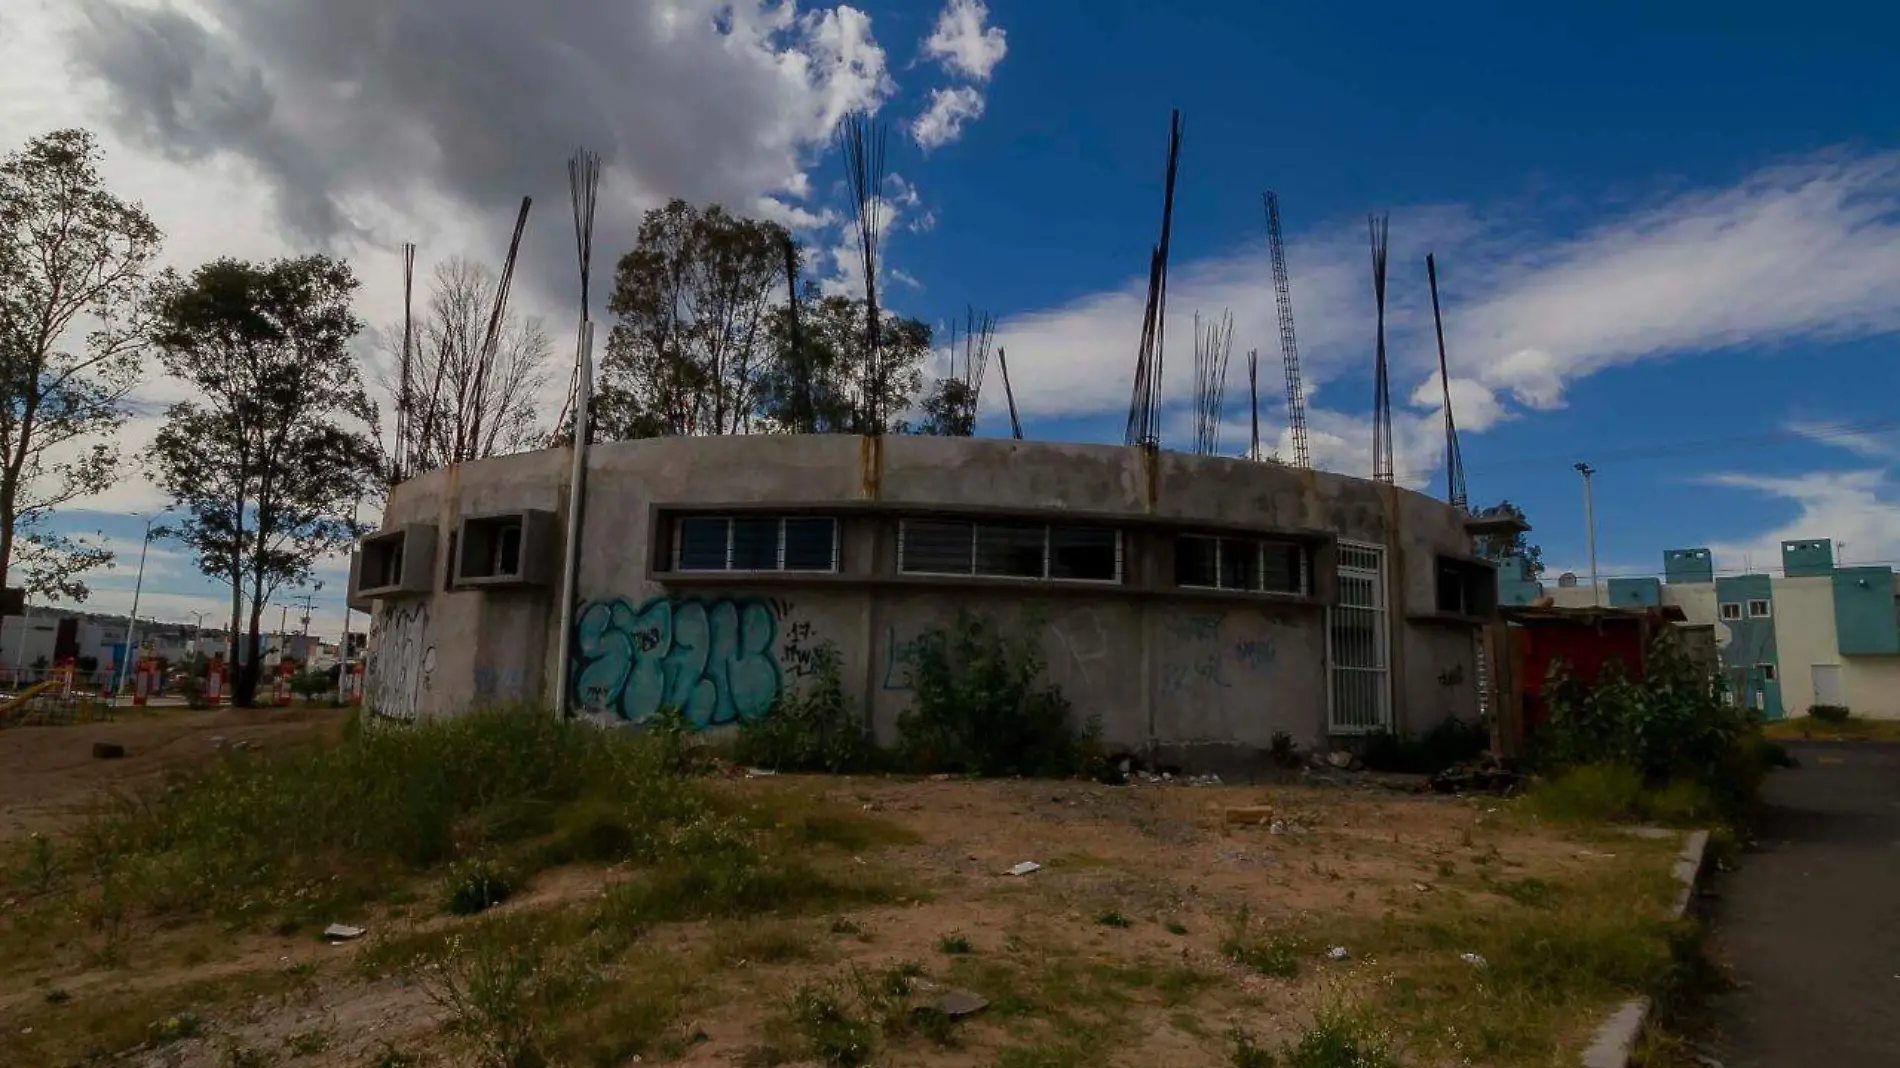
(49, 776)
(1110, 952)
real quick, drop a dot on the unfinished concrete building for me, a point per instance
(1198, 605)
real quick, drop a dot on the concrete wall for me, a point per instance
(1205, 677)
(1804, 637)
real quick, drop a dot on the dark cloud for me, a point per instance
(343, 102)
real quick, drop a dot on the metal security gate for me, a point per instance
(1360, 691)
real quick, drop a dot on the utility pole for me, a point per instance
(1590, 524)
(132, 621)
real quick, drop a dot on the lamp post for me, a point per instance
(1590, 523)
(132, 622)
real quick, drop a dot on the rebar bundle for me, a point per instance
(1289, 344)
(1454, 460)
(1144, 404)
(862, 142)
(1212, 344)
(1378, 227)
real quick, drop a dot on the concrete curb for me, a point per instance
(1616, 1039)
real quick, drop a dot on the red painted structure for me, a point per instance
(1584, 641)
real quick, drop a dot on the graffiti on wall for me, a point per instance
(899, 655)
(399, 664)
(1196, 656)
(799, 657)
(716, 660)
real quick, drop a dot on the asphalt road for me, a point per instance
(1811, 921)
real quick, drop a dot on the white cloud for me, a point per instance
(1855, 438)
(1800, 251)
(942, 122)
(1859, 510)
(963, 43)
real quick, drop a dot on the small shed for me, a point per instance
(1529, 640)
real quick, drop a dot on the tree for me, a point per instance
(1499, 546)
(829, 356)
(948, 409)
(694, 300)
(262, 459)
(461, 404)
(74, 286)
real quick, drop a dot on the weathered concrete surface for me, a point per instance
(1811, 921)
(1192, 679)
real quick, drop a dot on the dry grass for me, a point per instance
(1852, 729)
(798, 919)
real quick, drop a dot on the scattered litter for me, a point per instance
(1025, 868)
(1338, 953)
(1286, 827)
(1340, 759)
(107, 751)
(942, 776)
(1486, 775)
(1210, 779)
(758, 773)
(343, 932)
(1422, 888)
(1472, 959)
(957, 1004)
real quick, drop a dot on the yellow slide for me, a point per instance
(19, 701)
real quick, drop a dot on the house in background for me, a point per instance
(1817, 633)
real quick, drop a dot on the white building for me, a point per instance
(1813, 634)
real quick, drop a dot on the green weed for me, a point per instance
(955, 945)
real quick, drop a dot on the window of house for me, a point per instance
(1466, 588)
(1758, 609)
(755, 543)
(1252, 565)
(1767, 672)
(1731, 610)
(1009, 550)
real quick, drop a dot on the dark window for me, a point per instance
(1091, 553)
(1250, 565)
(1466, 588)
(1011, 551)
(1197, 562)
(392, 564)
(811, 544)
(755, 543)
(507, 550)
(702, 544)
(936, 547)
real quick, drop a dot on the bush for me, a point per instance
(1673, 726)
(977, 707)
(1829, 713)
(1453, 741)
(816, 729)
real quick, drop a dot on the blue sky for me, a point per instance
(1668, 235)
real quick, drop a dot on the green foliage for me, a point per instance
(478, 885)
(1830, 713)
(1113, 918)
(977, 707)
(1675, 726)
(833, 1035)
(310, 831)
(1338, 1040)
(264, 457)
(690, 351)
(817, 728)
(1276, 955)
(1283, 750)
(1499, 546)
(955, 944)
(1248, 1053)
(75, 261)
(1453, 741)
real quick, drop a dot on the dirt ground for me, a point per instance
(1137, 888)
(48, 775)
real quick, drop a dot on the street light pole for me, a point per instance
(1590, 523)
(132, 622)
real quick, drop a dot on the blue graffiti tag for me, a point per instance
(1254, 653)
(713, 660)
